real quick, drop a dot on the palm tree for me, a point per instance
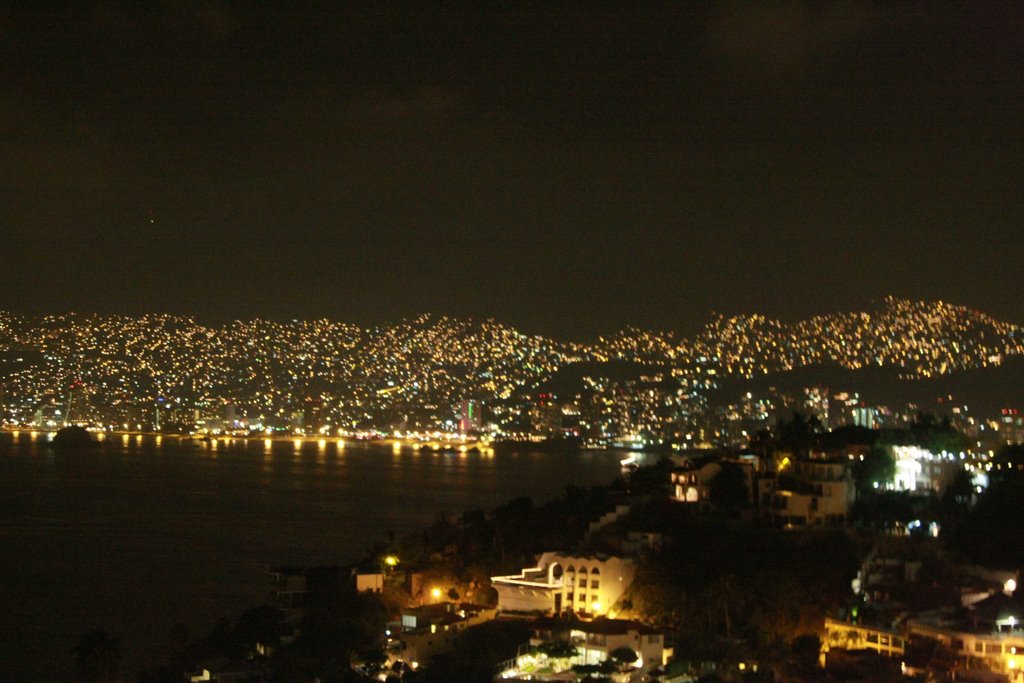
(727, 597)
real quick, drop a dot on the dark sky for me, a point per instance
(567, 168)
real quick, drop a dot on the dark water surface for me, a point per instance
(134, 536)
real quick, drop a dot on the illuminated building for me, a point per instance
(846, 636)
(545, 416)
(989, 639)
(1011, 426)
(560, 583)
(469, 417)
(692, 484)
(593, 641)
(920, 470)
(864, 416)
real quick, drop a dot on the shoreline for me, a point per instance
(455, 444)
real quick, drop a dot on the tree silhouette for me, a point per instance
(798, 434)
(1008, 463)
(959, 493)
(877, 467)
(988, 535)
(729, 489)
(728, 598)
(97, 658)
(935, 435)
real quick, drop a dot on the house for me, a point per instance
(863, 666)
(430, 630)
(982, 640)
(588, 584)
(590, 643)
(293, 587)
(809, 493)
(846, 636)
(596, 639)
(369, 581)
(691, 483)
(921, 471)
(988, 637)
(224, 670)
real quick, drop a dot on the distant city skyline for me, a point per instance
(566, 170)
(419, 374)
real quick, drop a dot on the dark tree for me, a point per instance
(959, 494)
(877, 467)
(799, 433)
(652, 479)
(1008, 464)
(762, 443)
(264, 624)
(729, 489)
(623, 655)
(804, 653)
(990, 534)
(476, 650)
(559, 649)
(97, 658)
(936, 435)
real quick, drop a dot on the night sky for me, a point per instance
(566, 168)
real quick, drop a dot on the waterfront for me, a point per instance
(134, 537)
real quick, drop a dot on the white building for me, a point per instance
(559, 583)
(920, 470)
(596, 640)
(592, 642)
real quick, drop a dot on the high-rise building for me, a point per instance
(469, 416)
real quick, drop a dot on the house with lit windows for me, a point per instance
(692, 484)
(844, 635)
(588, 643)
(989, 637)
(595, 640)
(978, 640)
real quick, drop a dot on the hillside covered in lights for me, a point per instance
(425, 366)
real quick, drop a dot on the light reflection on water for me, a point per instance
(134, 537)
